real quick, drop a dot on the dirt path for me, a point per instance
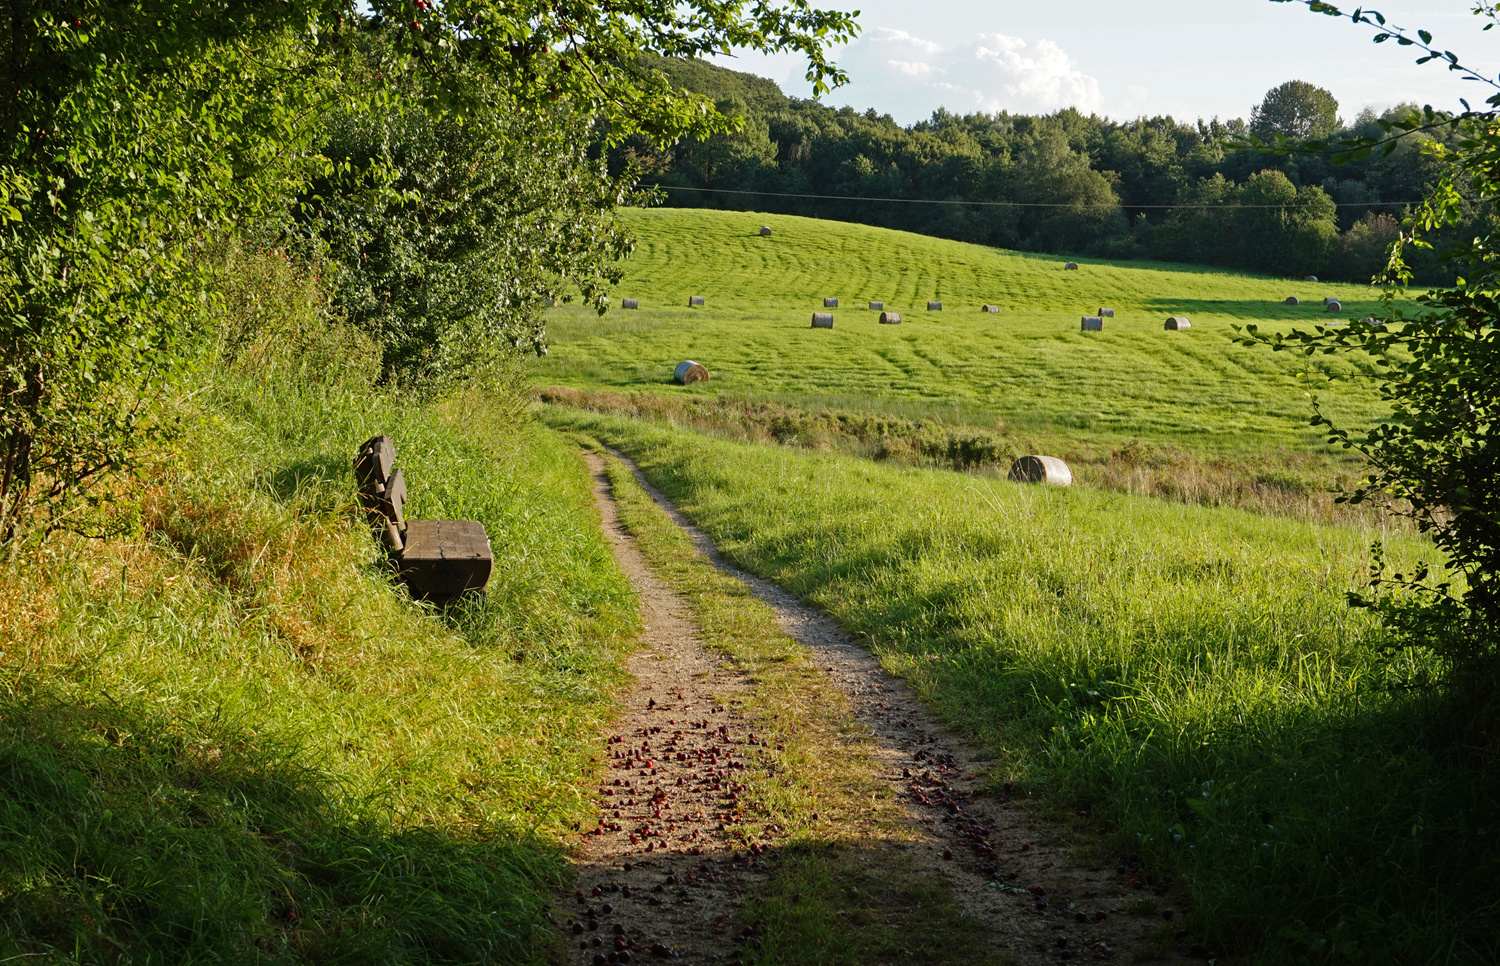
(661, 872)
(659, 875)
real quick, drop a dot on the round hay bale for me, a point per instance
(1332, 305)
(1291, 300)
(1327, 299)
(1071, 267)
(890, 318)
(695, 300)
(1092, 323)
(876, 306)
(1041, 469)
(822, 320)
(1177, 322)
(1310, 278)
(689, 371)
(1368, 320)
(934, 306)
(765, 231)
(993, 309)
(630, 303)
(830, 303)
(1104, 313)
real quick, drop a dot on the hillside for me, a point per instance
(1028, 368)
(1163, 187)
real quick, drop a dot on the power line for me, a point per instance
(1008, 204)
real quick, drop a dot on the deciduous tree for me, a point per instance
(1439, 453)
(1295, 111)
(137, 132)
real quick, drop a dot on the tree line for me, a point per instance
(1152, 188)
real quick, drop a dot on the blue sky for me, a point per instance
(1125, 58)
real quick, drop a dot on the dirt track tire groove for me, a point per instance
(1005, 867)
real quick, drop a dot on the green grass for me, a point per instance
(1193, 676)
(838, 891)
(230, 738)
(1028, 368)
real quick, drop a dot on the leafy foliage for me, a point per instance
(138, 134)
(1152, 187)
(1295, 110)
(139, 148)
(448, 236)
(1440, 373)
(1436, 457)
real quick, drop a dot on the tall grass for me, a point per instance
(230, 737)
(1193, 677)
(1289, 485)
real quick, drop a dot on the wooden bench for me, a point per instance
(438, 560)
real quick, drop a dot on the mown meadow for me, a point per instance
(1027, 369)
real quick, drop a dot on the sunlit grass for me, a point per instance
(1192, 677)
(1028, 369)
(232, 737)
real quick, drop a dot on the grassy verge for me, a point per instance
(1192, 676)
(1301, 487)
(839, 893)
(228, 738)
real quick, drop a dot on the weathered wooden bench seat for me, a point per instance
(445, 558)
(438, 560)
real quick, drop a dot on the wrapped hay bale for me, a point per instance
(695, 300)
(1332, 305)
(890, 318)
(689, 371)
(822, 320)
(765, 231)
(992, 309)
(1041, 469)
(1071, 267)
(1092, 323)
(934, 306)
(1291, 300)
(830, 303)
(876, 306)
(1177, 322)
(1310, 278)
(630, 303)
(1104, 313)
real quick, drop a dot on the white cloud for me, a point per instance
(908, 77)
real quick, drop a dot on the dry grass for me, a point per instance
(1301, 487)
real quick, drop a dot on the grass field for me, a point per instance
(1192, 677)
(226, 738)
(1028, 370)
